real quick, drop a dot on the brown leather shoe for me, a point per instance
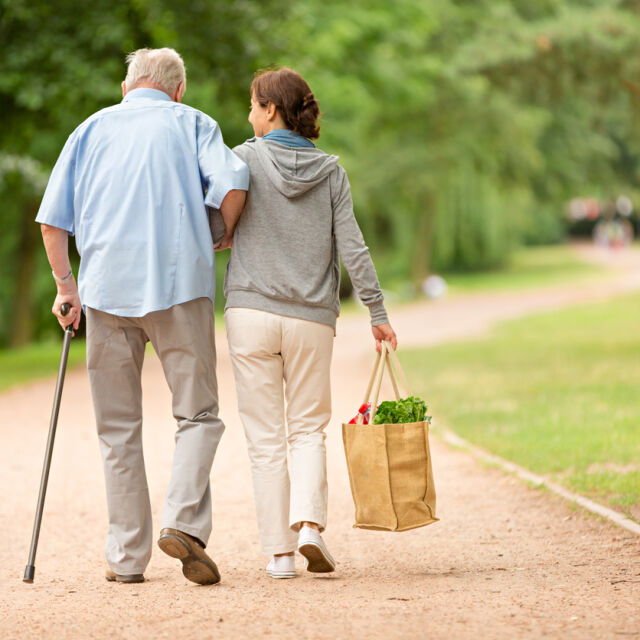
(197, 566)
(112, 576)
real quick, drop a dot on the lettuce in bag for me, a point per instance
(409, 409)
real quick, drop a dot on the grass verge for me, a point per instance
(36, 361)
(529, 267)
(556, 393)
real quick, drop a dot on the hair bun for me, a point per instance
(309, 101)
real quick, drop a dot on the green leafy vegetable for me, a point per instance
(410, 409)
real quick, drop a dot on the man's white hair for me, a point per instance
(163, 68)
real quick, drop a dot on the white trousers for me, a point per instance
(277, 358)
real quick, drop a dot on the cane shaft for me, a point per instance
(30, 568)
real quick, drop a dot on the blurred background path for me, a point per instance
(472, 314)
(504, 561)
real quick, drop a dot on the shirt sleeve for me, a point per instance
(56, 208)
(354, 252)
(221, 169)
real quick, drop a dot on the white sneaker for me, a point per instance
(312, 547)
(282, 567)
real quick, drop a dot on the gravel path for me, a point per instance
(505, 561)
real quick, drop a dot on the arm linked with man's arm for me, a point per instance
(225, 176)
(231, 209)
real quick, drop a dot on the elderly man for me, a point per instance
(132, 183)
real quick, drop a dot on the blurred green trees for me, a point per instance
(465, 125)
(64, 60)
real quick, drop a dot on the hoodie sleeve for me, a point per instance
(352, 249)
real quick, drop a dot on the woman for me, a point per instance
(282, 303)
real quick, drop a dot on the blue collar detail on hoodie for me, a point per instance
(288, 138)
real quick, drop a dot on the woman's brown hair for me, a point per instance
(293, 98)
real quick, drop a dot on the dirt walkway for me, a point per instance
(505, 561)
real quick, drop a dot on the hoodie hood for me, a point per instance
(293, 170)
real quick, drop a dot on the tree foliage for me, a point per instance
(64, 60)
(465, 125)
(468, 124)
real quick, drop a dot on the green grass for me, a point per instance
(558, 393)
(528, 268)
(36, 361)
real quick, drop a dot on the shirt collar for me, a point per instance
(151, 94)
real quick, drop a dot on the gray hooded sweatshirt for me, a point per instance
(297, 220)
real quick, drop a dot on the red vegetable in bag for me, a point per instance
(365, 412)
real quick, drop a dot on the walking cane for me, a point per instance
(30, 569)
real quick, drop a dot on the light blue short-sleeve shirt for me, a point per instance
(132, 183)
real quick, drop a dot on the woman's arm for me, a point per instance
(357, 260)
(231, 209)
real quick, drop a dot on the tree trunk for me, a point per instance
(22, 312)
(421, 258)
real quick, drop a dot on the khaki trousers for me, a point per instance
(267, 352)
(183, 338)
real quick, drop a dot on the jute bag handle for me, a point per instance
(393, 359)
(386, 357)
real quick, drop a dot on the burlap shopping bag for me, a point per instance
(389, 464)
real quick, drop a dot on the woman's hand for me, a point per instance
(384, 332)
(225, 243)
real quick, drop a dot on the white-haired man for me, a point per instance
(132, 183)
